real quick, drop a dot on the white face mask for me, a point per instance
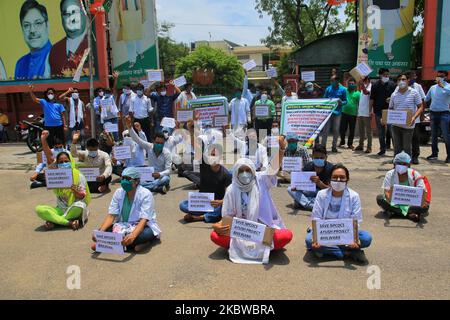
(439, 79)
(75, 96)
(338, 186)
(51, 97)
(140, 93)
(400, 169)
(245, 178)
(275, 131)
(93, 154)
(163, 93)
(403, 84)
(385, 79)
(126, 91)
(264, 97)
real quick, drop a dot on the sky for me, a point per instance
(193, 19)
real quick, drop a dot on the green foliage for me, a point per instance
(228, 71)
(169, 50)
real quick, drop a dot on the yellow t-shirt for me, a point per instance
(4, 119)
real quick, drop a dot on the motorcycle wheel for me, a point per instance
(34, 141)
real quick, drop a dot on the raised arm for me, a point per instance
(45, 147)
(142, 143)
(32, 95)
(64, 95)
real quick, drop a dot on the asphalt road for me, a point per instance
(413, 259)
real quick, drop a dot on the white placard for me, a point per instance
(220, 121)
(273, 142)
(111, 127)
(168, 122)
(249, 65)
(301, 181)
(292, 164)
(145, 83)
(155, 75)
(261, 111)
(247, 230)
(200, 202)
(309, 76)
(336, 232)
(397, 117)
(404, 195)
(364, 69)
(109, 242)
(185, 115)
(122, 152)
(90, 174)
(179, 82)
(59, 178)
(146, 173)
(272, 73)
(196, 166)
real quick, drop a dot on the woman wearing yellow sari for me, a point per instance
(71, 209)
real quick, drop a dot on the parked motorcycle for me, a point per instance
(424, 127)
(30, 131)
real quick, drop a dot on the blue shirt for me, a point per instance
(337, 93)
(32, 65)
(52, 113)
(97, 105)
(164, 105)
(440, 97)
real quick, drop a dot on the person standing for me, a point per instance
(311, 91)
(77, 112)
(141, 109)
(405, 98)
(265, 123)
(439, 95)
(125, 101)
(185, 96)
(364, 116)
(4, 122)
(379, 99)
(54, 115)
(350, 113)
(164, 104)
(334, 91)
(415, 140)
(240, 114)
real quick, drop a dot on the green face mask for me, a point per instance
(157, 147)
(292, 146)
(352, 87)
(126, 185)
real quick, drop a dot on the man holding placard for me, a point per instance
(338, 203)
(165, 103)
(404, 99)
(94, 158)
(141, 110)
(264, 121)
(293, 149)
(240, 114)
(319, 164)
(402, 175)
(185, 96)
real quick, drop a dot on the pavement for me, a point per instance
(412, 259)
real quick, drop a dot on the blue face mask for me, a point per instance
(319, 163)
(93, 154)
(65, 165)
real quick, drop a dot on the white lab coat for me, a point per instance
(240, 112)
(350, 206)
(143, 208)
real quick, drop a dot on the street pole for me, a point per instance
(91, 75)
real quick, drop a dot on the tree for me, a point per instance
(169, 50)
(299, 22)
(228, 70)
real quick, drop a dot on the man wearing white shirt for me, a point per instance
(364, 116)
(125, 101)
(240, 114)
(416, 140)
(140, 109)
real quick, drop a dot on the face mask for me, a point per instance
(245, 178)
(385, 79)
(126, 185)
(50, 97)
(292, 146)
(338, 186)
(264, 97)
(403, 84)
(238, 96)
(126, 91)
(401, 169)
(75, 96)
(157, 147)
(352, 87)
(58, 150)
(439, 79)
(92, 154)
(213, 161)
(319, 163)
(65, 165)
(163, 93)
(140, 93)
(275, 131)
(335, 83)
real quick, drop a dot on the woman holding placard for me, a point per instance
(248, 197)
(403, 175)
(337, 203)
(71, 209)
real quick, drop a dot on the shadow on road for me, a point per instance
(387, 221)
(314, 262)
(131, 255)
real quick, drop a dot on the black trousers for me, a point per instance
(347, 121)
(386, 206)
(263, 124)
(55, 132)
(93, 186)
(415, 144)
(145, 124)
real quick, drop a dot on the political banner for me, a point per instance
(306, 118)
(208, 108)
(385, 34)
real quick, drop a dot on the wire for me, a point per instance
(221, 25)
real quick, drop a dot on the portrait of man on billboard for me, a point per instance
(390, 21)
(131, 17)
(35, 28)
(68, 52)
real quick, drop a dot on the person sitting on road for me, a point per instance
(93, 157)
(158, 158)
(339, 202)
(132, 212)
(38, 177)
(292, 148)
(305, 199)
(251, 149)
(214, 178)
(248, 197)
(403, 175)
(71, 209)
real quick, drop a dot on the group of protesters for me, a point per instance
(196, 150)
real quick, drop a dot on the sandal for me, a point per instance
(414, 217)
(75, 225)
(49, 225)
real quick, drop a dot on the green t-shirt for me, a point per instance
(403, 208)
(351, 108)
(272, 108)
(126, 209)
